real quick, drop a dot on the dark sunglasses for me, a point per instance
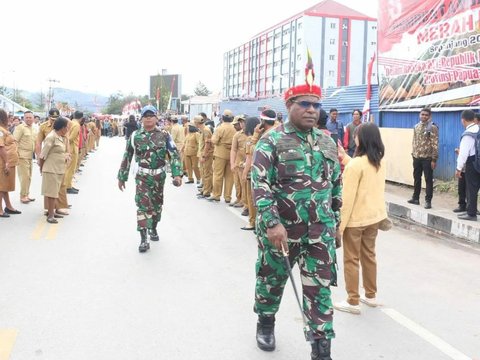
(307, 104)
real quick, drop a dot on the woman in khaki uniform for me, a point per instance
(8, 162)
(190, 152)
(250, 125)
(52, 163)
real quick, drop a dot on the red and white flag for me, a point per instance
(368, 97)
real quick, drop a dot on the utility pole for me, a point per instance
(50, 93)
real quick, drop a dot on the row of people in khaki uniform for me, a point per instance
(221, 160)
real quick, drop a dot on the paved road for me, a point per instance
(80, 290)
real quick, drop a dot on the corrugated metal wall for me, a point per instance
(450, 130)
(251, 107)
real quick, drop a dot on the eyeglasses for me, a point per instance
(307, 104)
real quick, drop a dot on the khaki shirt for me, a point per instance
(53, 152)
(178, 135)
(222, 139)
(191, 145)
(24, 136)
(45, 129)
(238, 145)
(73, 136)
(8, 141)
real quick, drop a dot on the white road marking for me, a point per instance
(233, 211)
(426, 335)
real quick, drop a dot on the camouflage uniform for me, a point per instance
(151, 148)
(296, 180)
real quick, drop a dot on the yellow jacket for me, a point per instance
(363, 193)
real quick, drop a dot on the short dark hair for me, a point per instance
(322, 119)
(468, 115)
(333, 110)
(60, 123)
(427, 110)
(77, 114)
(370, 143)
(477, 117)
(357, 110)
(202, 114)
(3, 117)
(28, 112)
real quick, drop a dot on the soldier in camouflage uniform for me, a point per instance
(297, 191)
(151, 147)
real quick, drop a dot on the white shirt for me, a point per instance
(467, 146)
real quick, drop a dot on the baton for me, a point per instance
(306, 328)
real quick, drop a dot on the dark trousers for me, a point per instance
(462, 191)
(422, 166)
(472, 178)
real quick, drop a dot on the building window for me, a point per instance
(277, 35)
(299, 57)
(332, 41)
(333, 26)
(284, 46)
(285, 32)
(299, 25)
(373, 43)
(345, 43)
(374, 27)
(331, 73)
(331, 57)
(299, 42)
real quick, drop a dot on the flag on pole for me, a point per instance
(368, 96)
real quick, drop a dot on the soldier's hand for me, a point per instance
(177, 181)
(121, 185)
(277, 235)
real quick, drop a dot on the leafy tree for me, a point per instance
(40, 101)
(4, 91)
(201, 90)
(20, 99)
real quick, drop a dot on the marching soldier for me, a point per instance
(149, 147)
(297, 190)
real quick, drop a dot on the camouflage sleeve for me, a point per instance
(434, 143)
(337, 192)
(263, 177)
(175, 163)
(126, 161)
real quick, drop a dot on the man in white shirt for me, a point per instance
(466, 157)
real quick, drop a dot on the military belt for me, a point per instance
(151, 171)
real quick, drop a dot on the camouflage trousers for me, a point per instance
(149, 199)
(317, 270)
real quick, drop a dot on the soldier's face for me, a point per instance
(424, 116)
(302, 112)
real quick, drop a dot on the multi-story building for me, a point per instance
(341, 41)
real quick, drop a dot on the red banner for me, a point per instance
(429, 52)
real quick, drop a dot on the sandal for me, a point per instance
(52, 220)
(5, 215)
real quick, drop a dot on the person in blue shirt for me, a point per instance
(335, 126)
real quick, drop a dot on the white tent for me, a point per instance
(10, 105)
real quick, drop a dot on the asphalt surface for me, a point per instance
(80, 289)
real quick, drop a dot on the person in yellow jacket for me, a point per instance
(178, 135)
(222, 173)
(362, 213)
(205, 156)
(190, 151)
(237, 160)
(73, 139)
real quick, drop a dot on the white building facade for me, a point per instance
(341, 40)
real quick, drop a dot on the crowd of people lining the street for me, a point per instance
(288, 179)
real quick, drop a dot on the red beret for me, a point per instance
(303, 90)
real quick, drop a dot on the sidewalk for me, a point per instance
(439, 218)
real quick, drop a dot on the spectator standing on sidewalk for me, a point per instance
(335, 126)
(425, 156)
(466, 158)
(363, 208)
(349, 136)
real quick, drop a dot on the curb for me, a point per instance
(455, 228)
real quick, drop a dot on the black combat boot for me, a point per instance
(153, 233)
(321, 349)
(266, 333)
(144, 245)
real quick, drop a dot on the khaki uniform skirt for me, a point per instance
(7, 182)
(51, 184)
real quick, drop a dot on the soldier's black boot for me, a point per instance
(153, 233)
(266, 333)
(321, 349)
(144, 245)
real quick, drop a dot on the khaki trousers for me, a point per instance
(252, 210)
(222, 175)
(62, 202)
(207, 176)
(359, 247)
(243, 187)
(24, 169)
(71, 169)
(191, 163)
(238, 185)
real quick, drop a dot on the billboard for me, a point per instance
(429, 53)
(165, 83)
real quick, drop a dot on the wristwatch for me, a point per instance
(272, 223)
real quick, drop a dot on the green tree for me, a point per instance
(40, 101)
(201, 90)
(20, 99)
(4, 91)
